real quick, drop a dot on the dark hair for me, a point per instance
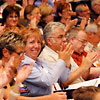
(60, 7)
(7, 46)
(28, 10)
(10, 41)
(8, 10)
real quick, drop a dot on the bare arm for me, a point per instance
(54, 96)
(84, 69)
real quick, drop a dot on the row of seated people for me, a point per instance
(43, 76)
(56, 35)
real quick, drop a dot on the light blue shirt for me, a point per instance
(43, 76)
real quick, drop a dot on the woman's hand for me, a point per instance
(24, 72)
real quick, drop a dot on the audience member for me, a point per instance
(10, 18)
(83, 15)
(93, 31)
(77, 36)
(95, 5)
(87, 93)
(46, 15)
(64, 13)
(32, 14)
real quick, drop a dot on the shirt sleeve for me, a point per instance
(44, 78)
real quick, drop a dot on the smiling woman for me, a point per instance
(10, 17)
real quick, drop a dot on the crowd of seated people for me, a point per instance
(45, 46)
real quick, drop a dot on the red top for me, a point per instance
(78, 57)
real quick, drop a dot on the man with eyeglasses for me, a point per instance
(78, 39)
(55, 37)
(83, 14)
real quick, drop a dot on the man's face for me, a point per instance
(96, 38)
(85, 12)
(79, 42)
(96, 8)
(57, 39)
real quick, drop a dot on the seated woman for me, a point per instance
(43, 76)
(11, 17)
(46, 15)
(11, 53)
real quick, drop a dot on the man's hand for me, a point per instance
(65, 53)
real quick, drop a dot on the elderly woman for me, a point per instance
(43, 76)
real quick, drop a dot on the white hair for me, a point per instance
(93, 2)
(92, 27)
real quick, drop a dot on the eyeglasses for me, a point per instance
(60, 36)
(83, 41)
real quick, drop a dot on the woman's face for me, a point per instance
(66, 14)
(12, 19)
(36, 14)
(33, 47)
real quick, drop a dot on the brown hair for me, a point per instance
(86, 93)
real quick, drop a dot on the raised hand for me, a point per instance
(71, 23)
(83, 23)
(65, 53)
(24, 73)
(33, 23)
(7, 73)
(90, 58)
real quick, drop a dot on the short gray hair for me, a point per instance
(73, 33)
(50, 28)
(92, 27)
